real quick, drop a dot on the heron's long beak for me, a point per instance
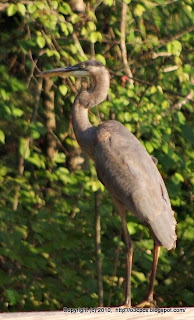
(74, 71)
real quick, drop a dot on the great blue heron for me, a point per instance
(123, 166)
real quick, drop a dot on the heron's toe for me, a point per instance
(146, 304)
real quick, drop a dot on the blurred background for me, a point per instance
(50, 195)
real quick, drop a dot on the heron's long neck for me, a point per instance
(84, 131)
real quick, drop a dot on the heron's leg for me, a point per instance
(149, 301)
(129, 246)
(156, 253)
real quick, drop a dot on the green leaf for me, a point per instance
(149, 146)
(174, 47)
(188, 133)
(63, 89)
(3, 171)
(16, 84)
(16, 112)
(74, 18)
(187, 294)
(65, 8)
(165, 148)
(41, 41)
(31, 8)
(63, 174)
(22, 231)
(181, 117)
(177, 178)
(71, 142)
(83, 31)
(40, 5)
(36, 129)
(70, 27)
(160, 89)
(131, 36)
(11, 10)
(4, 278)
(101, 58)
(153, 89)
(24, 149)
(139, 276)
(55, 4)
(21, 8)
(64, 28)
(127, 116)
(108, 2)
(37, 160)
(4, 95)
(60, 157)
(95, 36)
(12, 296)
(2, 137)
(139, 10)
(133, 227)
(91, 26)
(51, 53)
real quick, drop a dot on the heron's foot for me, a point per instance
(125, 306)
(147, 304)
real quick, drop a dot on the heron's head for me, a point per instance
(83, 69)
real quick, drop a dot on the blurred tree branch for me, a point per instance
(123, 45)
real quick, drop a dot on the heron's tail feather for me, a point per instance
(164, 230)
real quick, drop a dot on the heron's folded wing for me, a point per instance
(129, 173)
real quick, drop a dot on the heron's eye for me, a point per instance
(82, 65)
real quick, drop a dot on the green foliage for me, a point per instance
(47, 251)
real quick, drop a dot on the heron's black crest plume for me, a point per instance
(94, 63)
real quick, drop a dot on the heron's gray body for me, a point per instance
(131, 176)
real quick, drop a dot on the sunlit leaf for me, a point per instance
(181, 117)
(36, 129)
(2, 137)
(149, 146)
(101, 58)
(74, 18)
(108, 2)
(21, 8)
(139, 10)
(55, 4)
(64, 28)
(37, 160)
(40, 5)
(65, 8)
(63, 174)
(24, 149)
(16, 112)
(41, 41)
(95, 36)
(11, 9)
(31, 8)
(63, 89)
(174, 47)
(177, 178)
(60, 157)
(51, 53)
(91, 25)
